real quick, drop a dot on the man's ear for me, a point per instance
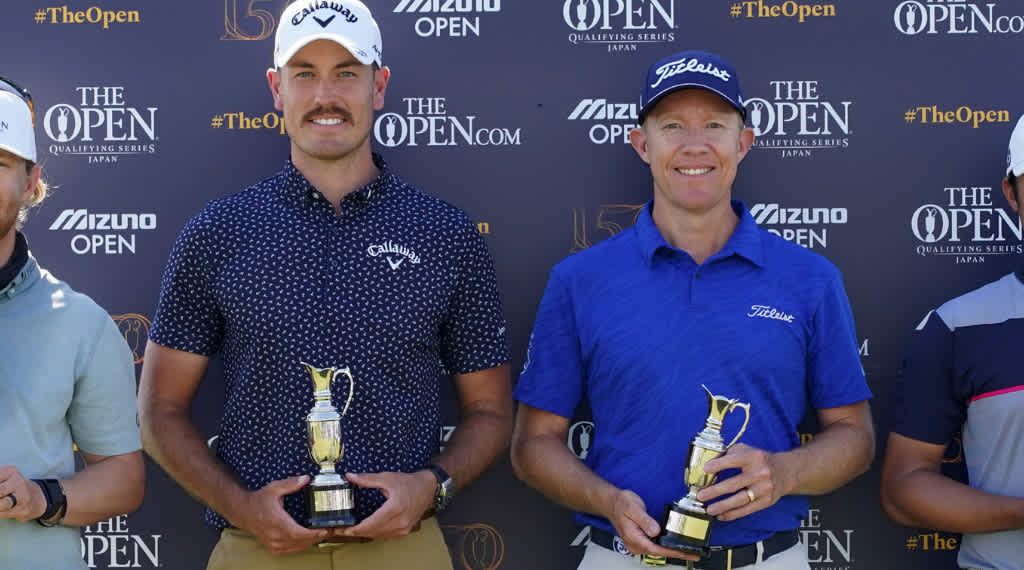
(381, 77)
(1010, 195)
(638, 138)
(274, 81)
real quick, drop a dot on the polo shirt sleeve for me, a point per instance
(188, 317)
(836, 377)
(103, 413)
(473, 335)
(926, 405)
(552, 378)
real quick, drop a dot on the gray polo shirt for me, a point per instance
(66, 376)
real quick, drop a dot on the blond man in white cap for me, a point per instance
(334, 261)
(962, 374)
(77, 386)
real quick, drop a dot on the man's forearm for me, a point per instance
(481, 436)
(546, 464)
(928, 499)
(171, 440)
(107, 486)
(832, 458)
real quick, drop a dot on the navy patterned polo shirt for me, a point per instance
(400, 288)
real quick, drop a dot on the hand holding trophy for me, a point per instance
(330, 498)
(686, 526)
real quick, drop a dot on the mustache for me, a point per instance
(328, 111)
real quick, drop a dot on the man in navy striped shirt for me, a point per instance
(963, 372)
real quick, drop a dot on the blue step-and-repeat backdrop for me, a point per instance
(881, 142)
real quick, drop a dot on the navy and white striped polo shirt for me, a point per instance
(400, 288)
(963, 370)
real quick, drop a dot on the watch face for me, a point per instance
(443, 495)
(445, 488)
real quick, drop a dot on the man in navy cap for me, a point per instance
(695, 293)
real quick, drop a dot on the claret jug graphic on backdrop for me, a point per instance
(958, 17)
(100, 124)
(796, 118)
(965, 225)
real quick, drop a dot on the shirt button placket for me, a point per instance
(697, 284)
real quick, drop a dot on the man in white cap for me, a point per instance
(67, 377)
(694, 293)
(962, 375)
(337, 262)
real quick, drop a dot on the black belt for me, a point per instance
(744, 555)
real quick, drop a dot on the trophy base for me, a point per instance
(686, 531)
(331, 519)
(330, 506)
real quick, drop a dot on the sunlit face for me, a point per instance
(16, 187)
(328, 98)
(694, 141)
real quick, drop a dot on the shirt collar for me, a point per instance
(744, 242)
(17, 261)
(298, 188)
(29, 274)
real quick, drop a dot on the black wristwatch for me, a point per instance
(445, 491)
(56, 501)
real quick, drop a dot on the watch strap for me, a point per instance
(56, 501)
(445, 487)
(439, 473)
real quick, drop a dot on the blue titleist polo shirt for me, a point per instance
(962, 372)
(635, 326)
(399, 288)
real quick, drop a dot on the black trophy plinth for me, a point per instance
(340, 494)
(674, 536)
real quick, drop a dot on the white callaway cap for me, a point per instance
(347, 22)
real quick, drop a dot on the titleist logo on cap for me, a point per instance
(314, 6)
(685, 65)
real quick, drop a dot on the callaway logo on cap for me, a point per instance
(348, 23)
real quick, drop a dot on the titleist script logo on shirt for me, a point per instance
(768, 312)
(685, 65)
(394, 253)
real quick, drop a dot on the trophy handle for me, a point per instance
(352, 388)
(746, 409)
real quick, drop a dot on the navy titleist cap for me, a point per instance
(691, 69)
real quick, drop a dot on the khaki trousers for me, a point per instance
(425, 548)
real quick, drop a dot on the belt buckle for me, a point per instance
(339, 541)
